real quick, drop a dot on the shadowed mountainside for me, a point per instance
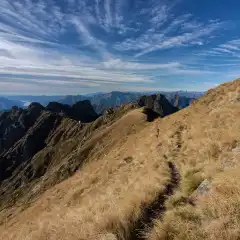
(80, 111)
(25, 132)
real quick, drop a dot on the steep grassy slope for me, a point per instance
(141, 180)
(53, 149)
(209, 150)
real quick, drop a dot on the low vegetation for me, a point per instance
(128, 169)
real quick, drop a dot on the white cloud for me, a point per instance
(157, 37)
(81, 73)
(185, 39)
(119, 64)
(108, 16)
(231, 48)
(86, 36)
(223, 50)
(33, 18)
(191, 72)
(159, 14)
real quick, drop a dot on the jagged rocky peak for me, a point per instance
(156, 105)
(85, 111)
(25, 132)
(57, 107)
(84, 106)
(35, 106)
(15, 123)
(15, 108)
(81, 111)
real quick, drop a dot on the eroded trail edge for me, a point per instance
(156, 208)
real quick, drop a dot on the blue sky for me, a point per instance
(82, 46)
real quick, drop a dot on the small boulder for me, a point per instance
(204, 187)
(203, 190)
(108, 236)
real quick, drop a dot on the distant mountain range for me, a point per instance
(43, 99)
(7, 103)
(104, 101)
(100, 101)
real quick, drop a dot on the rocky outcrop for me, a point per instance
(84, 111)
(15, 123)
(32, 142)
(156, 105)
(180, 101)
(25, 132)
(80, 111)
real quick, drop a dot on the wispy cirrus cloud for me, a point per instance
(230, 48)
(107, 44)
(124, 65)
(149, 42)
(29, 18)
(228, 53)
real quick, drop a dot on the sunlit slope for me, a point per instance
(142, 180)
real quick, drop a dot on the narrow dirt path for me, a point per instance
(178, 141)
(156, 208)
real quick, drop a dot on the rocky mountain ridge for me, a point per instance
(24, 132)
(104, 101)
(80, 111)
(33, 138)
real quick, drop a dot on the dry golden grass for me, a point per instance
(128, 168)
(215, 216)
(210, 150)
(106, 195)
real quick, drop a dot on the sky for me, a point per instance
(82, 46)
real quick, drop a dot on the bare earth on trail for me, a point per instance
(141, 180)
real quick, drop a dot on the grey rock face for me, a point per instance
(180, 101)
(32, 142)
(15, 123)
(156, 105)
(80, 111)
(204, 188)
(23, 133)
